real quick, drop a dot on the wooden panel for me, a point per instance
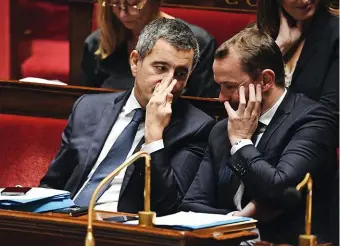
(43, 100)
(80, 28)
(19, 228)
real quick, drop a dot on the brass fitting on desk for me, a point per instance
(146, 217)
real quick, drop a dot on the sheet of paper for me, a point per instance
(195, 220)
(34, 194)
(43, 81)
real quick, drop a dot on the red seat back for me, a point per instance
(220, 24)
(27, 146)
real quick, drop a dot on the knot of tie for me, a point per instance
(261, 127)
(139, 115)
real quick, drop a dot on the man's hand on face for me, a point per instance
(243, 122)
(158, 110)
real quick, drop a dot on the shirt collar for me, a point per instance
(131, 104)
(268, 115)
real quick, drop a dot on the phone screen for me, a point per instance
(72, 211)
(120, 218)
(15, 191)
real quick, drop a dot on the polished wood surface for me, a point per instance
(21, 228)
(35, 99)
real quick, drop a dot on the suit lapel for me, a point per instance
(280, 115)
(109, 117)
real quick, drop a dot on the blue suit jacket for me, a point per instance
(172, 168)
(300, 138)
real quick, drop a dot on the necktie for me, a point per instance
(113, 159)
(261, 127)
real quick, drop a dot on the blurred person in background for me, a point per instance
(105, 61)
(307, 32)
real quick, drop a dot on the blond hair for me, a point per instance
(112, 31)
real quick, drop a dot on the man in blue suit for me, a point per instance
(103, 130)
(271, 139)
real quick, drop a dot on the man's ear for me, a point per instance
(134, 59)
(268, 79)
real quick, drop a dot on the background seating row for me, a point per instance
(47, 36)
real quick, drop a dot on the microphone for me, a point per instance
(306, 239)
(146, 217)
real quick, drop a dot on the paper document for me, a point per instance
(192, 220)
(43, 81)
(34, 194)
(37, 200)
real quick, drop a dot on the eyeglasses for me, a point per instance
(131, 7)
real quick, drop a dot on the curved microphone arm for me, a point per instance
(145, 217)
(307, 239)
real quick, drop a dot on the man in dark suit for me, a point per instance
(271, 139)
(174, 132)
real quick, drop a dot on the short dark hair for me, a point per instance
(174, 31)
(257, 52)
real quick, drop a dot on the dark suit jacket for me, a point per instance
(299, 139)
(317, 71)
(114, 71)
(173, 168)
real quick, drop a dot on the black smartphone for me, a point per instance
(72, 211)
(15, 191)
(120, 218)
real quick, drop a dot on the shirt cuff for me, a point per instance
(153, 146)
(240, 144)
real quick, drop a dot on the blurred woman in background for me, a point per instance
(307, 32)
(106, 53)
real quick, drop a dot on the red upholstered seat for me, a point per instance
(27, 146)
(222, 25)
(49, 60)
(48, 24)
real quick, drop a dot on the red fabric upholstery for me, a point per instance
(221, 25)
(49, 60)
(4, 40)
(48, 24)
(27, 146)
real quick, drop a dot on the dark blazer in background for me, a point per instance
(114, 71)
(317, 71)
(172, 168)
(299, 139)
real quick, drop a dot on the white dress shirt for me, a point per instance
(265, 118)
(109, 200)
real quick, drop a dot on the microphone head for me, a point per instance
(291, 197)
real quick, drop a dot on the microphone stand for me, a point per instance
(146, 217)
(307, 239)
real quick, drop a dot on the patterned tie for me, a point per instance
(113, 159)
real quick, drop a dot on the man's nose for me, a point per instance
(222, 97)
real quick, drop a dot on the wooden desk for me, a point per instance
(34, 99)
(20, 228)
